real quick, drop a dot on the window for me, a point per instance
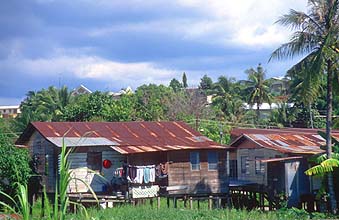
(245, 165)
(259, 166)
(212, 158)
(233, 169)
(195, 161)
(94, 161)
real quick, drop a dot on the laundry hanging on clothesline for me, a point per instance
(141, 174)
(119, 172)
(161, 170)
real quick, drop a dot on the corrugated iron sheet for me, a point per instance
(124, 137)
(81, 141)
(280, 159)
(236, 132)
(286, 140)
(289, 143)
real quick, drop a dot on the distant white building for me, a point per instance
(265, 108)
(9, 111)
(116, 95)
(81, 90)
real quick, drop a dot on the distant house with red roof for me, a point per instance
(276, 159)
(139, 158)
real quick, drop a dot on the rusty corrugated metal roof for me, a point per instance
(285, 140)
(125, 137)
(304, 143)
(236, 132)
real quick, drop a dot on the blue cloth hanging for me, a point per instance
(146, 174)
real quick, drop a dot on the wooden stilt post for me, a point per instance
(262, 201)
(168, 202)
(191, 202)
(198, 203)
(210, 201)
(175, 202)
(158, 202)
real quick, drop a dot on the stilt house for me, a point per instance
(276, 159)
(141, 159)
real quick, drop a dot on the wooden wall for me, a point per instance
(253, 153)
(79, 169)
(45, 152)
(151, 158)
(201, 181)
(48, 164)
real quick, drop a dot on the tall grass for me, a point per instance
(19, 204)
(61, 201)
(56, 211)
(146, 212)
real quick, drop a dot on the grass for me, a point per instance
(146, 212)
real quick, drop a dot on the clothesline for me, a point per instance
(142, 174)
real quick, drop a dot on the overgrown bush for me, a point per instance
(14, 165)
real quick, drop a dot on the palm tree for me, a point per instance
(226, 98)
(44, 105)
(258, 88)
(52, 102)
(316, 35)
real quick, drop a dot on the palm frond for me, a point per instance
(299, 44)
(326, 166)
(331, 162)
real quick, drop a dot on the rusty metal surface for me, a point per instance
(289, 143)
(129, 137)
(286, 140)
(236, 132)
(280, 159)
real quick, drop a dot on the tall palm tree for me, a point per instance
(258, 88)
(226, 97)
(316, 34)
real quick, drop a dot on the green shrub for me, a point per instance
(14, 165)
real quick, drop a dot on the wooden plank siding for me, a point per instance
(179, 173)
(79, 169)
(48, 164)
(202, 181)
(255, 153)
(152, 158)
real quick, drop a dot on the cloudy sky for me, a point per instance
(111, 44)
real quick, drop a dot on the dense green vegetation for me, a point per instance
(14, 166)
(178, 101)
(149, 213)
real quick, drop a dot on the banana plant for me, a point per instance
(324, 164)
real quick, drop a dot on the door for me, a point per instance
(276, 177)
